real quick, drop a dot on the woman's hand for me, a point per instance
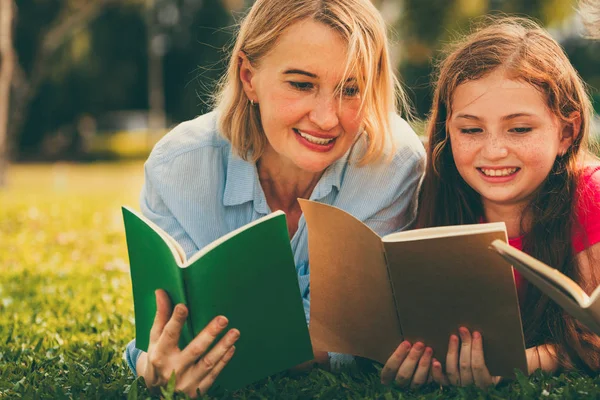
(408, 365)
(465, 365)
(194, 367)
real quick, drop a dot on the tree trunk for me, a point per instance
(7, 63)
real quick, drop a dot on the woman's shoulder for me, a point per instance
(406, 143)
(199, 135)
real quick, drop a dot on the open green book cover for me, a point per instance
(248, 275)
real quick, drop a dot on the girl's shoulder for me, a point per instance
(587, 208)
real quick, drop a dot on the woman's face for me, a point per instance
(297, 87)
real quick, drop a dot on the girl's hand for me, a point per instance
(408, 365)
(464, 366)
(194, 367)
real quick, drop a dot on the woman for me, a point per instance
(305, 110)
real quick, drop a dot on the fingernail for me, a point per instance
(406, 344)
(234, 334)
(180, 310)
(419, 346)
(476, 335)
(428, 351)
(222, 321)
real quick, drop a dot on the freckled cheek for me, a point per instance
(464, 152)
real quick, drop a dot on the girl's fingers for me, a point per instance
(163, 313)
(421, 374)
(390, 369)
(407, 369)
(466, 374)
(210, 360)
(202, 342)
(452, 370)
(437, 374)
(481, 374)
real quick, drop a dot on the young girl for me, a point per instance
(508, 142)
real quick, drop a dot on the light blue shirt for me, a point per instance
(198, 190)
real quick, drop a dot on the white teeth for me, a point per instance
(499, 172)
(314, 139)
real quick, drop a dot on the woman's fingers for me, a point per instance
(198, 346)
(168, 341)
(437, 374)
(466, 374)
(452, 357)
(210, 360)
(390, 369)
(421, 374)
(407, 369)
(163, 313)
(207, 382)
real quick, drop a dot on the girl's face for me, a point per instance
(504, 138)
(297, 86)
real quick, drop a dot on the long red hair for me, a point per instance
(526, 52)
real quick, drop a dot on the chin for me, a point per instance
(314, 166)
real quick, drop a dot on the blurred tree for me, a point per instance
(7, 64)
(52, 24)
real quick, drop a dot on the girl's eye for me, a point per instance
(350, 91)
(521, 130)
(301, 85)
(470, 131)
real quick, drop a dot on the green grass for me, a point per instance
(66, 312)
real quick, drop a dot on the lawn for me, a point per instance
(66, 311)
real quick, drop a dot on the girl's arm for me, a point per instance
(542, 356)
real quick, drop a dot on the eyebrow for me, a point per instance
(299, 72)
(309, 74)
(505, 118)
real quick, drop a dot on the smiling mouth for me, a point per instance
(314, 139)
(499, 172)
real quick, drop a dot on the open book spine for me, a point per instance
(352, 307)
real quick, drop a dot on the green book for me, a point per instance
(248, 275)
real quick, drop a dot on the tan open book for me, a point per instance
(555, 285)
(369, 293)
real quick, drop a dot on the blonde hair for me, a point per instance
(590, 13)
(359, 24)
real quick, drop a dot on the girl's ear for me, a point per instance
(569, 133)
(247, 73)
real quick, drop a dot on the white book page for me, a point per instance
(444, 231)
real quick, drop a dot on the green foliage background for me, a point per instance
(66, 310)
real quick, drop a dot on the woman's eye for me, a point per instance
(521, 130)
(470, 131)
(350, 91)
(301, 85)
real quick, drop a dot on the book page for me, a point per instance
(528, 266)
(559, 287)
(352, 308)
(443, 283)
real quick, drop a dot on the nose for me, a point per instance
(495, 147)
(324, 113)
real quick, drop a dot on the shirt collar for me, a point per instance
(242, 184)
(241, 180)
